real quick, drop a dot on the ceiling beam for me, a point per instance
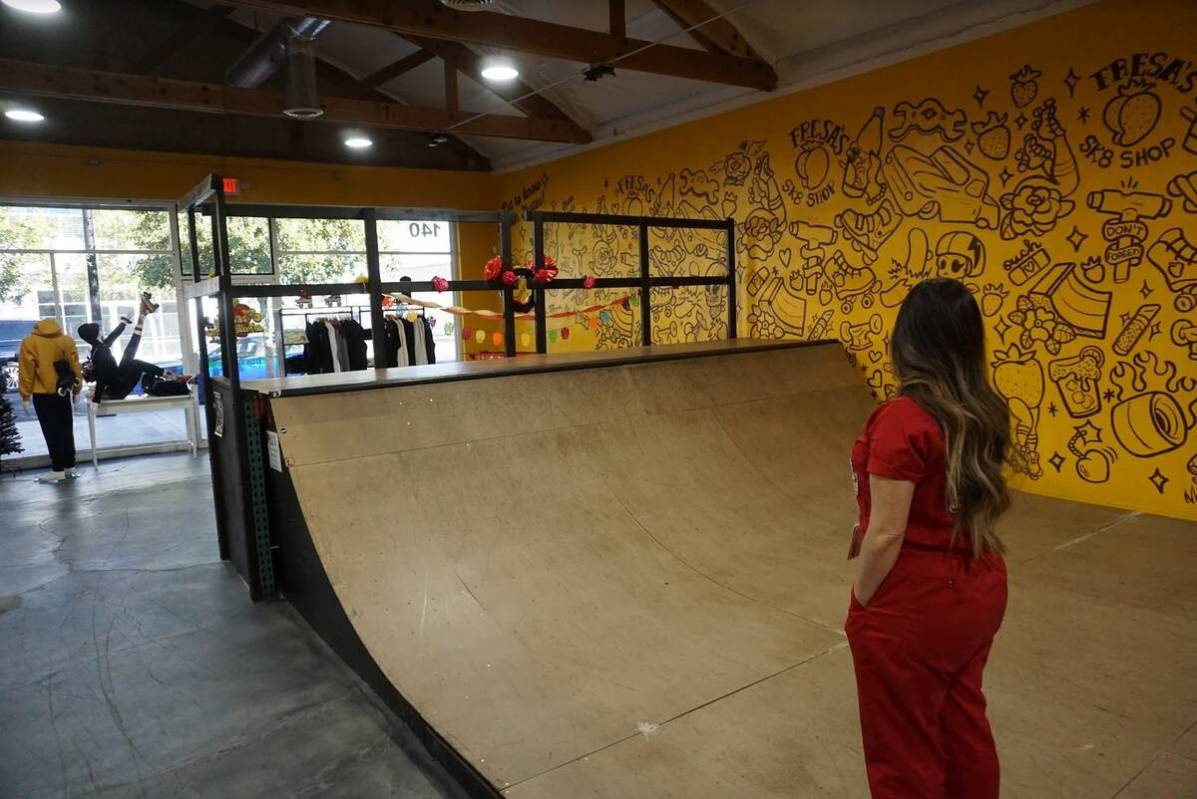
(490, 29)
(27, 78)
(618, 16)
(394, 70)
(719, 36)
(516, 92)
(189, 32)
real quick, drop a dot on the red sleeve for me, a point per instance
(898, 446)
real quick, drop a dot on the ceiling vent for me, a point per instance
(302, 100)
(468, 5)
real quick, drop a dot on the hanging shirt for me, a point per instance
(902, 441)
(334, 349)
(421, 347)
(429, 343)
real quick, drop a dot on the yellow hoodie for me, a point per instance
(39, 351)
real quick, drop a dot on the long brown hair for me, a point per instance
(938, 350)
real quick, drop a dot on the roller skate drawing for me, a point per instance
(849, 284)
(1176, 257)
(867, 232)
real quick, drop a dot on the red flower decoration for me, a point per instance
(565, 332)
(508, 278)
(493, 268)
(547, 273)
(440, 284)
(588, 282)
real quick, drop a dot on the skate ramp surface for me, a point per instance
(629, 580)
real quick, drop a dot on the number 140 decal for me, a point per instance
(421, 229)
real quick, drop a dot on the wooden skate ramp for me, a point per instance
(629, 580)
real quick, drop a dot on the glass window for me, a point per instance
(41, 228)
(405, 236)
(321, 235)
(249, 245)
(130, 230)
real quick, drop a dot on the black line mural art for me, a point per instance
(1190, 494)
(859, 337)
(1134, 326)
(862, 161)
(1076, 378)
(868, 232)
(993, 298)
(1132, 114)
(1093, 458)
(1126, 232)
(1031, 260)
(944, 185)
(1149, 424)
(1190, 140)
(849, 285)
(1024, 86)
(815, 238)
(959, 255)
(1058, 308)
(993, 136)
(1147, 419)
(1184, 188)
(929, 117)
(1184, 334)
(1018, 377)
(819, 143)
(918, 266)
(1176, 258)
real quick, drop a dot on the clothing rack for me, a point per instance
(280, 340)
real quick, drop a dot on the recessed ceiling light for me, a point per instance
(358, 142)
(24, 115)
(35, 6)
(500, 71)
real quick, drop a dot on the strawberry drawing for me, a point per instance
(1025, 86)
(1133, 113)
(993, 137)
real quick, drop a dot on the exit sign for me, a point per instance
(232, 186)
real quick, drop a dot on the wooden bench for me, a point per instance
(188, 404)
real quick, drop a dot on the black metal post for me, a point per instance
(646, 317)
(508, 300)
(226, 332)
(374, 283)
(222, 536)
(732, 322)
(542, 333)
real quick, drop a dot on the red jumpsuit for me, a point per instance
(920, 645)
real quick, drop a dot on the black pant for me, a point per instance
(55, 415)
(131, 371)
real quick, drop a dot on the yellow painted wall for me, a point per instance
(51, 170)
(1053, 168)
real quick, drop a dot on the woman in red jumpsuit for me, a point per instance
(931, 589)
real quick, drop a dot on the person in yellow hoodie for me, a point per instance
(50, 376)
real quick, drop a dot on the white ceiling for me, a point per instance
(807, 41)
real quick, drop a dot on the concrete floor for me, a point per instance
(132, 663)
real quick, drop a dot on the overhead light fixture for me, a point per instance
(35, 6)
(358, 143)
(436, 139)
(499, 71)
(26, 115)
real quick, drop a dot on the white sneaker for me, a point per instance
(51, 477)
(71, 473)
